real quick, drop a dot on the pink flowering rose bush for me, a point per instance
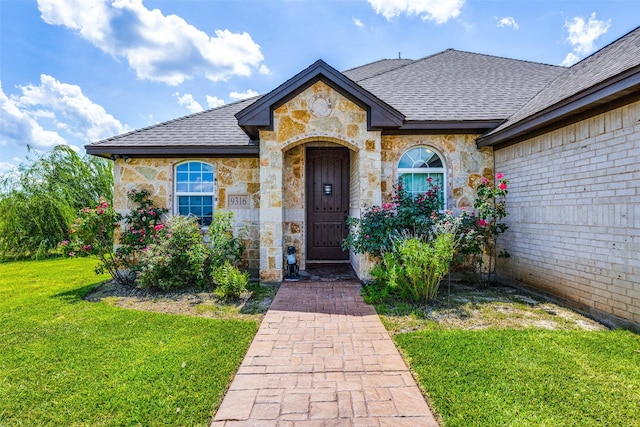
(180, 257)
(92, 234)
(143, 224)
(491, 208)
(157, 254)
(416, 241)
(374, 231)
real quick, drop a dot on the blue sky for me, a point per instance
(77, 71)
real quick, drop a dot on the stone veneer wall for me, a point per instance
(294, 201)
(234, 176)
(357, 260)
(297, 124)
(574, 200)
(465, 164)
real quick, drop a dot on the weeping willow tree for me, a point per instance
(40, 200)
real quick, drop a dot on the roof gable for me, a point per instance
(259, 115)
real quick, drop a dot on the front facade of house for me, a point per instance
(295, 163)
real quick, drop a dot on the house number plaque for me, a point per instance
(238, 201)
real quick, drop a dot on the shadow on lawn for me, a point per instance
(76, 295)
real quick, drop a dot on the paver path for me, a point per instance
(322, 358)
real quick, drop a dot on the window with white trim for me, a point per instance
(194, 191)
(419, 164)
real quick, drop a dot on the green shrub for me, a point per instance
(223, 244)
(92, 235)
(373, 233)
(230, 282)
(475, 231)
(414, 266)
(178, 257)
(142, 226)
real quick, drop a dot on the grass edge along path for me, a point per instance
(499, 377)
(66, 361)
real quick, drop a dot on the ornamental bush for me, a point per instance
(92, 234)
(177, 258)
(156, 254)
(229, 281)
(414, 266)
(374, 231)
(491, 208)
(224, 246)
(474, 232)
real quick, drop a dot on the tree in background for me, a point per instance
(40, 200)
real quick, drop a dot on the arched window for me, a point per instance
(419, 164)
(195, 190)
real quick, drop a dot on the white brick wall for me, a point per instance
(574, 200)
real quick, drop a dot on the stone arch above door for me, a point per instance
(322, 138)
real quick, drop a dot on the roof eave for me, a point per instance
(446, 126)
(604, 96)
(163, 151)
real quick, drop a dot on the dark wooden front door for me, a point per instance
(327, 202)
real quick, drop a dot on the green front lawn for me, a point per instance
(527, 377)
(65, 361)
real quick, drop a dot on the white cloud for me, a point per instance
(20, 128)
(358, 23)
(582, 36)
(214, 102)
(187, 100)
(264, 70)
(439, 11)
(570, 59)
(29, 118)
(508, 21)
(158, 47)
(237, 96)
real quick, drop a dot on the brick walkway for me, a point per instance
(322, 358)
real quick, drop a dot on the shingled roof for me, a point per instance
(459, 86)
(603, 80)
(375, 68)
(452, 91)
(211, 132)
